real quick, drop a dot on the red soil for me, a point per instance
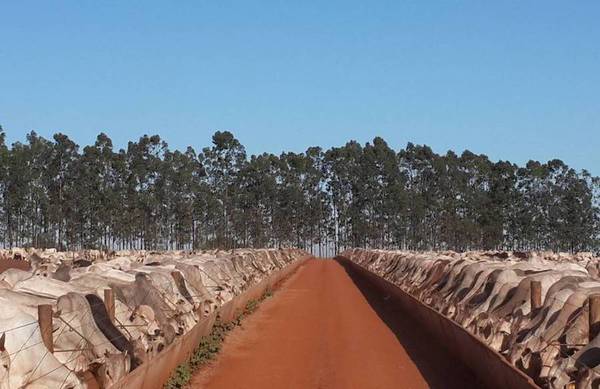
(13, 264)
(323, 331)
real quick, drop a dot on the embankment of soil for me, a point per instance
(14, 264)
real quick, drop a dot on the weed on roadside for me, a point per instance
(210, 345)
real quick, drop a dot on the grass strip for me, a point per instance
(210, 345)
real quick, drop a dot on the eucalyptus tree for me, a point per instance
(92, 201)
(147, 196)
(318, 203)
(571, 211)
(143, 159)
(499, 209)
(384, 187)
(417, 163)
(4, 158)
(60, 179)
(345, 183)
(258, 184)
(182, 173)
(223, 162)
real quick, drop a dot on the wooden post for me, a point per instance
(200, 311)
(536, 295)
(177, 277)
(179, 281)
(45, 323)
(594, 317)
(109, 303)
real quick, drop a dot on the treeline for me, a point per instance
(54, 193)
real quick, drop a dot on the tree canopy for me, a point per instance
(53, 193)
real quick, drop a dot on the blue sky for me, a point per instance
(515, 80)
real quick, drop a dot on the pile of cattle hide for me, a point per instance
(159, 296)
(488, 293)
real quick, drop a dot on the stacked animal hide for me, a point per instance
(488, 293)
(159, 296)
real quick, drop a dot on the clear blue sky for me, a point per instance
(514, 80)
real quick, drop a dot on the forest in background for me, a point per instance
(54, 193)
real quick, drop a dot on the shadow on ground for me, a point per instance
(438, 365)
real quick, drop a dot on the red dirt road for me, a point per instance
(320, 330)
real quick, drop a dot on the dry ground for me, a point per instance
(324, 330)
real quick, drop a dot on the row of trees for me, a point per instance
(55, 194)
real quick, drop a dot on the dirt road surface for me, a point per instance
(322, 330)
